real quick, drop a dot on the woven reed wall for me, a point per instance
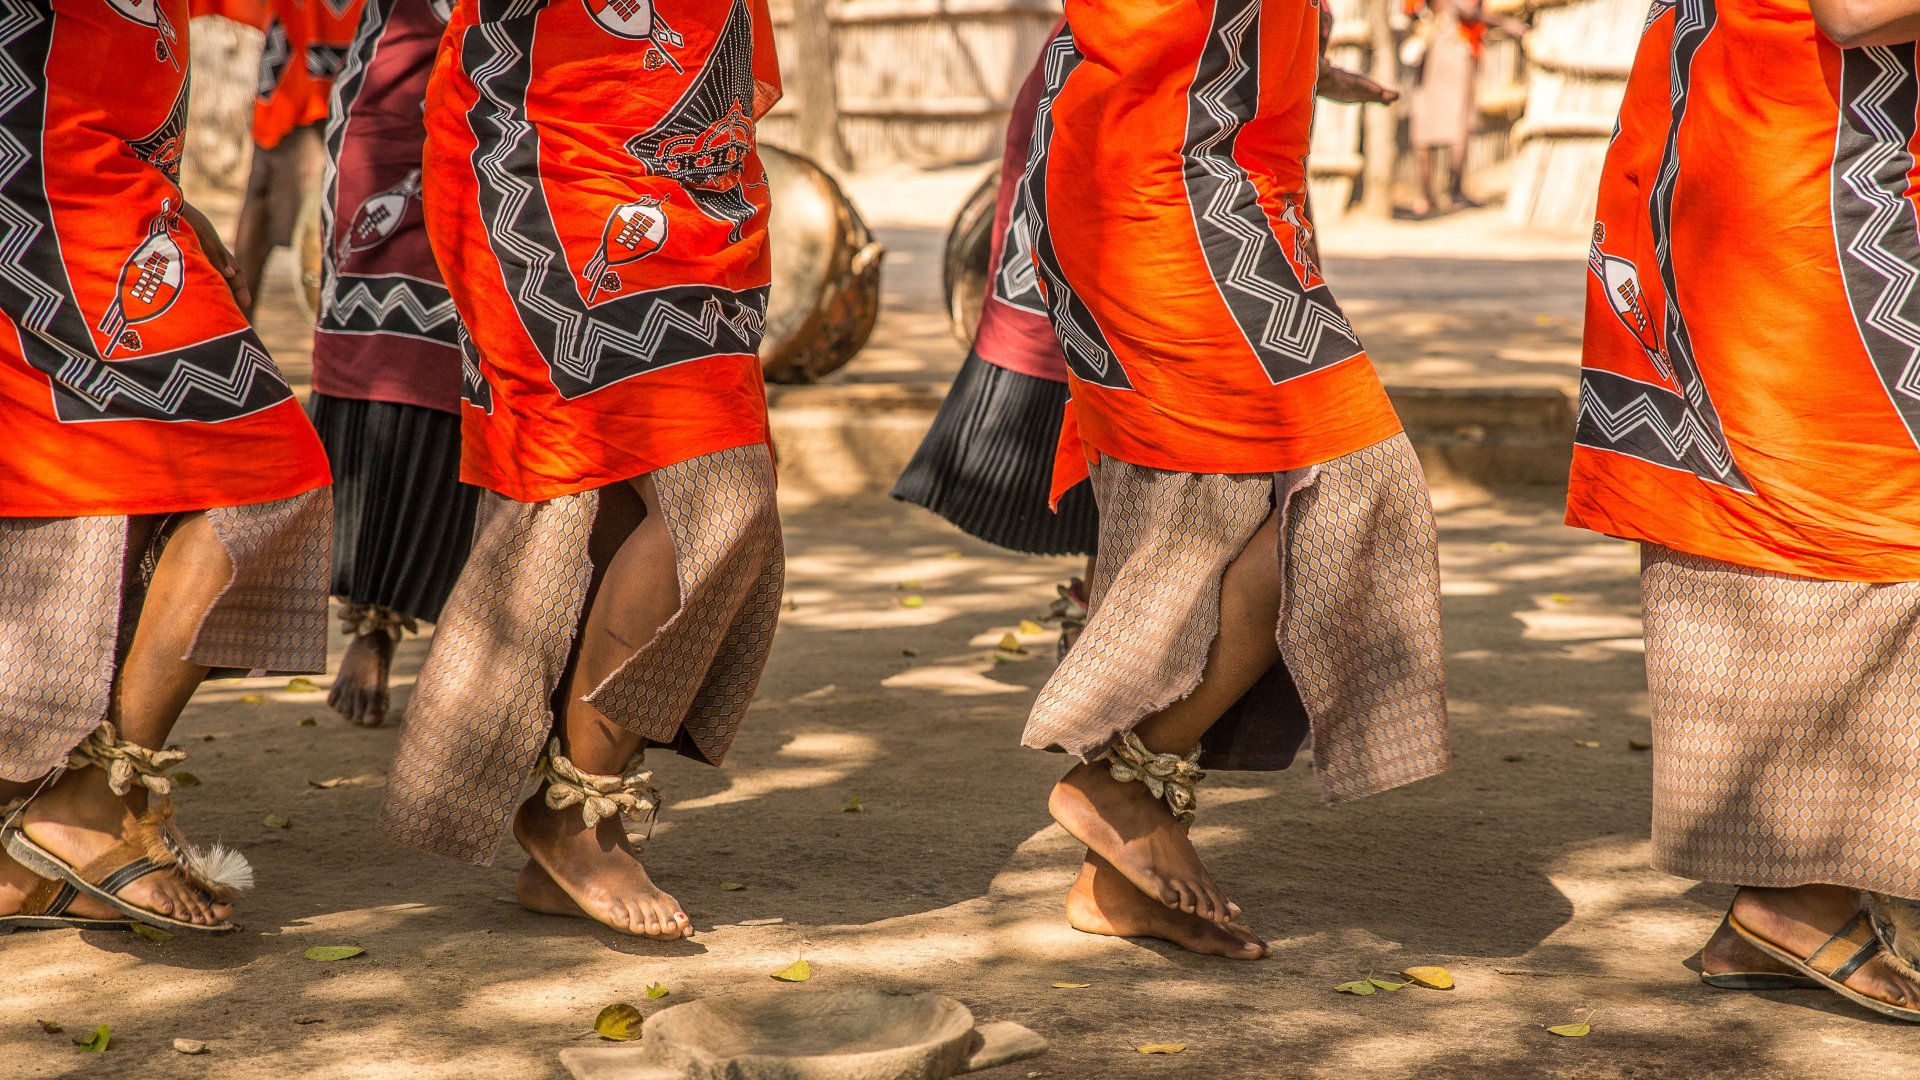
(925, 82)
(1581, 53)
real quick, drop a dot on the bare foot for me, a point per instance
(1800, 920)
(536, 891)
(1727, 951)
(1124, 824)
(78, 819)
(598, 870)
(1103, 901)
(360, 689)
(17, 883)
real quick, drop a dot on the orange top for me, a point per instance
(1176, 259)
(306, 43)
(1751, 389)
(129, 381)
(596, 204)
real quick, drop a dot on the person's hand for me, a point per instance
(218, 254)
(1339, 84)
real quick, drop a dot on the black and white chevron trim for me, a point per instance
(390, 304)
(1292, 330)
(1877, 231)
(585, 349)
(1613, 415)
(1089, 356)
(212, 380)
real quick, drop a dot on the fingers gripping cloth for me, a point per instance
(126, 763)
(1169, 776)
(359, 620)
(598, 796)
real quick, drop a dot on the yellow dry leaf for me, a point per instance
(183, 778)
(251, 699)
(1433, 978)
(1162, 1048)
(327, 954)
(907, 586)
(50, 1027)
(1572, 1031)
(656, 991)
(1632, 744)
(1384, 984)
(731, 886)
(275, 821)
(151, 933)
(189, 1047)
(798, 971)
(1360, 987)
(97, 1042)
(300, 684)
(618, 1022)
(1591, 744)
(854, 806)
(1028, 626)
(1011, 643)
(1071, 986)
(909, 651)
(913, 601)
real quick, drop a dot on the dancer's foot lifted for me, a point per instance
(360, 689)
(597, 869)
(1125, 824)
(1104, 902)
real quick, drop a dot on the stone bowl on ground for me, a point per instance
(809, 1035)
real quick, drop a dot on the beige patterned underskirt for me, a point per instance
(71, 592)
(483, 706)
(1362, 674)
(1786, 726)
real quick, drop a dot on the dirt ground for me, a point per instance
(1523, 870)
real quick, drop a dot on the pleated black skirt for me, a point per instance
(987, 464)
(402, 520)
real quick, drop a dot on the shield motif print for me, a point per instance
(150, 281)
(637, 20)
(166, 44)
(634, 231)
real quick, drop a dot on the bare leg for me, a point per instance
(1121, 821)
(359, 691)
(77, 817)
(597, 867)
(251, 244)
(1457, 164)
(1801, 919)
(1423, 202)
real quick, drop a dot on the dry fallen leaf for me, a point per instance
(909, 652)
(1010, 642)
(300, 684)
(1360, 987)
(913, 601)
(1561, 598)
(1591, 744)
(329, 953)
(731, 886)
(151, 933)
(1384, 984)
(854, 806)
(275, 821)
(97, 1042)
(656, 991)
(189, 1046)
(183, 778)
(907, 586)
(618, 1022)
(308, 721)
(251, 699)
(798, 971)
(1028, 626)
(1433, 978)
(1632, 744)
(1071, 986)
(1572, 1031)
(50, 1027)
(1162, 1048)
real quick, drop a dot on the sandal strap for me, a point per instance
(126, 763)
(359, 620)
(598, 795)
(1847, 950)
(1170, 777)
(49, 898)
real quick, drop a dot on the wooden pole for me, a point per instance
(808, 72)
(1382, 130)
